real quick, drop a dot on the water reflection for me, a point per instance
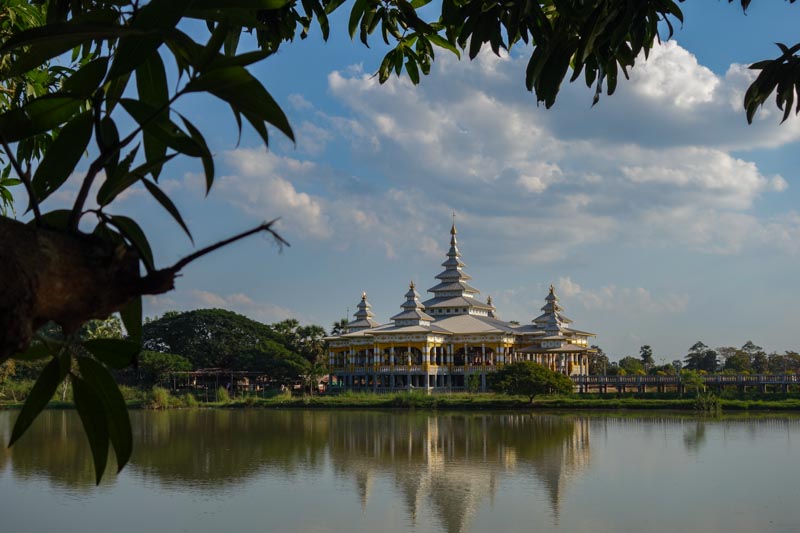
(450, 467)
(455, 462)
(452, 463)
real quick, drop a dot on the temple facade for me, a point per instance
(436, 345)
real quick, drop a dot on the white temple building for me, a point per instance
(437, 344)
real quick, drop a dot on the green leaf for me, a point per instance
(116, 353)
(259, 126)
(119, 424)
(413, 72)
(52, 40)
(113, 186)
(156, 18)
(62, 156)
(38, 116)
(41, 393)
(131, 316)
(355, 16)
(154, 122)
(108, 139)
(34, 352)
(151, 83)
(206, 158)
(131, 230)
(114, 90)
(90, 409)
(164, 200)
(441, 42)
(87, 79)
(238, 87)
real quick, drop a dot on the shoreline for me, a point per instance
(465, 401)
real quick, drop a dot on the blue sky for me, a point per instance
(659, 215)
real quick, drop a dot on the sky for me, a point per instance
(659, 215)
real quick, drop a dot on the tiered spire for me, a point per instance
(363, 316)
(453, 278)
(551, 320)
(413, 313)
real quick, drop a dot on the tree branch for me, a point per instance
(266, 226)
(25, 178)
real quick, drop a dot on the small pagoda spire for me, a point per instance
(363, 315)
(413, 312)
(491, 312)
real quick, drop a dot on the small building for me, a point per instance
(437, 344)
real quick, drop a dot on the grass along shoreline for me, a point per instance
(162, 399)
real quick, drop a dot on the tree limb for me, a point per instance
(25, 178)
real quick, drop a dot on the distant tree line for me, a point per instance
(287, 352)
(749, 359)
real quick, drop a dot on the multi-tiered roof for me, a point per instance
(363, 316)
(455, 310)
(453, 295)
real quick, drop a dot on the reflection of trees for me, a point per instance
(694, 436)
(211, 448)
(455, 461)
(199, 448)
(54, 447)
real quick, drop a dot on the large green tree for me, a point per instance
(527, 378)
(99, 65)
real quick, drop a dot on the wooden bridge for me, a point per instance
(743, 382)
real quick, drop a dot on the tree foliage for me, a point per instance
(598, 361)
(216, 338)
(631, 365)
(530, 379)
(646, 355)
(155, 367)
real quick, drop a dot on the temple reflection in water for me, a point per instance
(454, 463)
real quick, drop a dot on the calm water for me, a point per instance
(215, 471)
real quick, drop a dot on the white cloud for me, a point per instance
(628, 301)
(241, 303)
(662, 145)
(299, 102)
(673, 77)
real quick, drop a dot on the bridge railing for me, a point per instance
(714, 379)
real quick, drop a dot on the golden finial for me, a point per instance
(552, 289)
(364, 295)
(453, 227)
(411, 285)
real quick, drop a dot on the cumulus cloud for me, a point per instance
(241, 303)
(626, 300)
(661, 147)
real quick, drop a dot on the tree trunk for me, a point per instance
(67, 278)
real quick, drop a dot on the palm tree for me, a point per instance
(340, 326)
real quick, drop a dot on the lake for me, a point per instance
(318, 471)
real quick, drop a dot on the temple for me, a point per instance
(439, 344)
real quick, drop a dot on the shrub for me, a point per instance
(160, 398)
(223, 396)
(707, 403)
(190, 400)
